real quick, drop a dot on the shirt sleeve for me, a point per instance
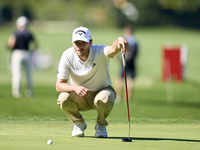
(105, 50)
(63, 68)
(101, 51)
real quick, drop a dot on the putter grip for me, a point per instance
(123, 60)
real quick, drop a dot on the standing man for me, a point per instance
(90, 82)
(130, 56)
(19, 43)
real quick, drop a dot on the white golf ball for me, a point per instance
(49, 142)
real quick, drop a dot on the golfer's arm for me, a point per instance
(63, 86)
(113, 49)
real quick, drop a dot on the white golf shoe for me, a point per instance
(78, 130)
(101, 131)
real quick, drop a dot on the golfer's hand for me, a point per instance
(82, 91)
(122, 44)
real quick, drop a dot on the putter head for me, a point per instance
(126, 140)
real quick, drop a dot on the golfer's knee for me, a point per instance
(63, 99)
(104, 98)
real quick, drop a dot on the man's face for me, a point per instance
(82, 49)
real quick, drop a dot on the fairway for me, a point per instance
(33, 133)
(156, 123)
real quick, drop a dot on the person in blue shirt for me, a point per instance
(130, 56)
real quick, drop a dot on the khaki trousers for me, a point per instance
(102, 101)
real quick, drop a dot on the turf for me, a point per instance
(156, 121)
(33, 133)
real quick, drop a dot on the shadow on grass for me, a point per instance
(151, 139)
(156, 139)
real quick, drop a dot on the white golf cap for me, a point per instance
(21, 21)
(81, 34)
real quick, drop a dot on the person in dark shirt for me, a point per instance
(131, 55)
(19, 43)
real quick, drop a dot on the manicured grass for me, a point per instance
(33, 133)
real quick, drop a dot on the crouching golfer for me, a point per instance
(90, 82)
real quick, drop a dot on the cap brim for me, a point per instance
(80, 39)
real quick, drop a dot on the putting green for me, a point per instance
(158, 134)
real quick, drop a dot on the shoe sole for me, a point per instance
(79, 135)
(100, 136)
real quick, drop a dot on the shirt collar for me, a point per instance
(88, 59)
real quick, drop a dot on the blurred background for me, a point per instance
(156, 23)
(118, 13)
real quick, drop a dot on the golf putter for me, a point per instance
(124, 68)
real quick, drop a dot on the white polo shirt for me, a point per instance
(93, 74)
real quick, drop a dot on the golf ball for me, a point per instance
(49, 142)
